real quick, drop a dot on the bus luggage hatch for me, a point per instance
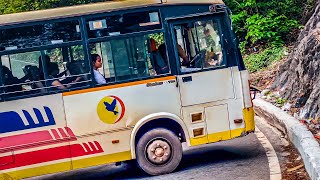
(217, 124)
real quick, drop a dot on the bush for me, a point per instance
(255, 62)
(265, 23)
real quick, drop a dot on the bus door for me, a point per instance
(205, 81)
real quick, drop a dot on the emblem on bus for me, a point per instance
(111, 109)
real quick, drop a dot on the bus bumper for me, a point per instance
(248, 116)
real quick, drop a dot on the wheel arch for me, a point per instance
(168, 121)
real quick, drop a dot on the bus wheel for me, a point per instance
(159, 151)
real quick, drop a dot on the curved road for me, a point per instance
(241, 158)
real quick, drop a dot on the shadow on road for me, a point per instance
(193, 158)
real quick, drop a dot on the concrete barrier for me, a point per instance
(297, 133)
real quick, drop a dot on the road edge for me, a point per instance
(302, 139)
(273, 161)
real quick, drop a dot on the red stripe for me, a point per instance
(6, 160)
(34, 139)
(47, 155)
(23, 139)
(55, 134)
(78, 150)
(70, 132)
(92, 146)
(98, 145)
(63, 134)
(36, 157)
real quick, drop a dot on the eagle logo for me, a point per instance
(111, 109)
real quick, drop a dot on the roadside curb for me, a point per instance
(297, 133)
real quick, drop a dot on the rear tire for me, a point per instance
(159, 151)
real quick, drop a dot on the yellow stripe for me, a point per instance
(237, 132)
(37, 171)
(215, 137)
(65, 166)
(248, 116)
(221, 136)
(118, 85)
(82, 163)
(198, 141)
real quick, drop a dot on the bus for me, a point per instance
(171, 71)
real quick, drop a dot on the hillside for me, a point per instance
(298, 78)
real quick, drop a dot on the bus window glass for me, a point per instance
(201, 43)
(132, 58)
(65, 68)
(24, 73)
(39, 35)
(123, 24)
(21, 74)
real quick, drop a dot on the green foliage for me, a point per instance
(255, 62)
(281, 101)
(265, 23)
(15, 6)
(270, 29)
(159, 38)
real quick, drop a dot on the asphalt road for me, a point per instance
(241, 158)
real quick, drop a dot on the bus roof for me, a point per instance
(91, 9)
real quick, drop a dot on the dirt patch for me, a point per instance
(294, 168)
(264, 79)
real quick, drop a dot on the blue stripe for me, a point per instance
(11, 121)
(39, 115)
(50, 115)
(28, 116)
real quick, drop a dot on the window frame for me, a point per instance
(85, 41)
(41, 22)
(126, 36)
(172, 22)
(88, 18)
(41, 49)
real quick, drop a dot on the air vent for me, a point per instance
(196, 117)
(198, 132)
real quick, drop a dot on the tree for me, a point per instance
(299, 78)
(15, 6)
(266, 23)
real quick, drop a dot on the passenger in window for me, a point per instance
(33, 74)
(46, 62)
(53, 74)
(183, 56)
(181, 53)
(12, 83)
(159, 63)
(97, 63)
(53, 70)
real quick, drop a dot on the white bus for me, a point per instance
(171, 72)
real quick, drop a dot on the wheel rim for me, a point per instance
(158, 152)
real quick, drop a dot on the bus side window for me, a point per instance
(132, 58)
(210, 40)
(158, 57)
(19, 74)
(200, 40)
(66, 68)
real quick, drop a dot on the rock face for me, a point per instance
(299, 77)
